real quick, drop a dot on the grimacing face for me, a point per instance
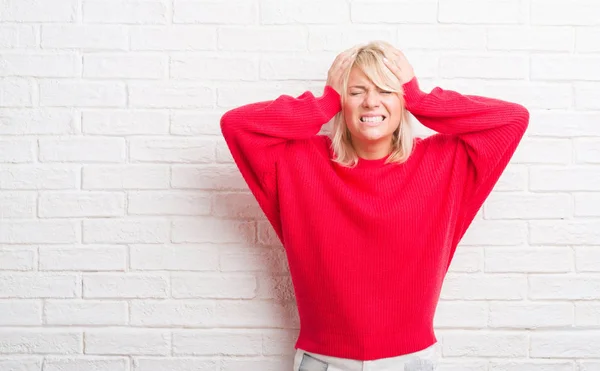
(372, 114)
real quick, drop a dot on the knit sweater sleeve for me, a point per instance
(257, 134)
(486, 130)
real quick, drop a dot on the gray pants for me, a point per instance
(424, 360)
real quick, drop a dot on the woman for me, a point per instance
(369, 217)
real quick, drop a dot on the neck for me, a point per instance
(373, 151)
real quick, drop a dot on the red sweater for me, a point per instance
(368, 247)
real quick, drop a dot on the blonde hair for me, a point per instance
(369, 59)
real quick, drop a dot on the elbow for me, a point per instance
(521, 118)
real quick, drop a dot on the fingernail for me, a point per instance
(385, 59)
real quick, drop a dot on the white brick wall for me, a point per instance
(130, 242)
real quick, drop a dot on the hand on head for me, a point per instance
(394, 59)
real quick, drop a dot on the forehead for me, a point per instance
(358, 77)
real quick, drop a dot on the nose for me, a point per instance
(371, 99)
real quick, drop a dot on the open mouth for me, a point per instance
(372, 119)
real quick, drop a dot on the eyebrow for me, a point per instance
(358, 87)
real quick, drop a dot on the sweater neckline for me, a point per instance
(369, 164)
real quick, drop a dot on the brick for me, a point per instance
(170, 95)
(17, 259)
(564, 124)
(467, 259)
(216, 342)
(28, 285)
(278, 342)
(485, 344)
(178, 363)
(75, 149)
(40, 121)
(245, 259)
(130, 285)
(207, 177)
(533, 260)
(127, 66)
(544, 151)
(223, 153)
(236, 205)
(530, 365)
(190, 66)
(63, 93)
(489, 67)
(564, 232)
(483, 12)
(587, 258)
(20, 313)
(16, 92)
(565, 344)
(40, 341)
(256, 314)
(206, 285)
(87, 37)
(83, 258)
(306, 12)
(238, 95)
(81, 204)
(451, 314)
(195, 123)
(176, 150)
(268, 38)
(209, 230)
(125, 231)
(341, 37)
(288, 68)
(554, 12)
(548, 287)
(587, 204)
(215, 12)
(484, 287)
(176, 37)
(504, 205)
(15, 36)
(168, 203)
(40, 65)
(441, 37)
(531, 316)
(568, 68)
(573, 178)
(17, 205)
(85, 313)
(587, 40)
(16, 151)
(124, 12)
(495, 232)
(28, 231)
(172, 313)
(393, 12)
(38, 11)
(127, 341)
(278, 288)
(514, 178)
(174, 257)
(587, 314)
(21, 364)
(587, 96)
(126, 177)
(87, 363)
(266, 364)
(558, 39)
(586, 150)
(128, 122)
(266, 235)
(38, 177)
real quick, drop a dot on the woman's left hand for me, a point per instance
(397, 63)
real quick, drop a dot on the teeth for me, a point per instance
(372, 119)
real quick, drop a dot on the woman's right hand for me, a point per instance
(339, 67)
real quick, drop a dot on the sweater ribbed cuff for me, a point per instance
(330, 101)
(412, 93)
